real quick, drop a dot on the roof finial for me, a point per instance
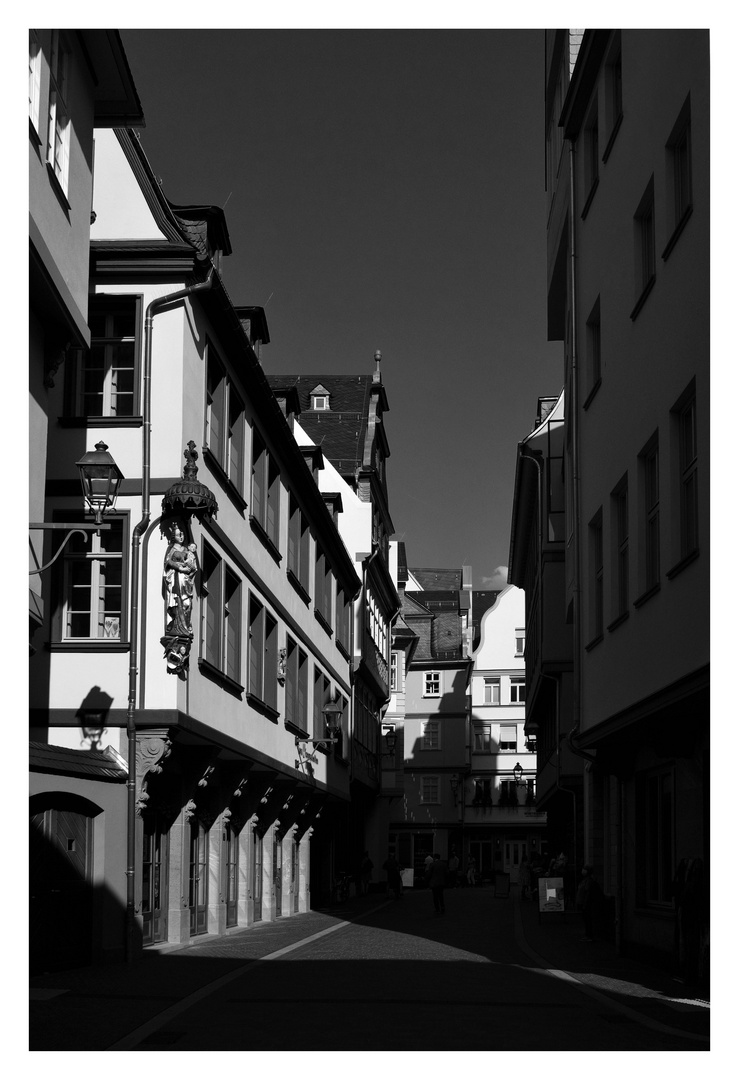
(378, 357)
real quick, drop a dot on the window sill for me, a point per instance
(612, 137)
(261, 533)
(220, 677)
(680, 566)
(593, 391)
(262, 707)
(100, 421)
(88, 646)
(617, 621)
(643, 298)
(296, 729)
(676, 233)
(593, 642)
(226, 482)
(589, 199)
(300, 589)
(641, 600)
(326, 625)
(55, 183)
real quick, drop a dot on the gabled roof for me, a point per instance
(437, 580)
(341, 430)
(90, 764)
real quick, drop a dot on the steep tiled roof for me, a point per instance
(437, 579)
(93, 764)
(340, 430)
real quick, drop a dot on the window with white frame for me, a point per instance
(321, 697)
(59, 122)
(262, 654)
(520, 641)
(225, 423)
(684, 415)
(92, 590)
(324, 588)
(432, 684)
(104, 379)
(298, 545)
(492, 692)
(265, 490)
(296, 686)
(34, 78)
(481, 740)
(430, 789)
(343, 619)
(431, 735)
(508, 737)
(220, 615)
(394, 672)
(518, 691)
(482, 794)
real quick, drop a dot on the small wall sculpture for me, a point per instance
(180, 568)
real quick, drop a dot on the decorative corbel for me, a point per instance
(282, 667)
(151, 750)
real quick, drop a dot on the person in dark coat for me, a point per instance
(437, 880)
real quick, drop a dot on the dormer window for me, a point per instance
(319, 399)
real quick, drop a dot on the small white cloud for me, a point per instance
(498, 579)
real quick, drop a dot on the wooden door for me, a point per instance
(231, 840)
(61, 897)
(154, 878)
(198, 891)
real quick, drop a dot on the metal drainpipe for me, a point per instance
(153, 308)
(575, 427)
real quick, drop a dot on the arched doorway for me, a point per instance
(60, 873)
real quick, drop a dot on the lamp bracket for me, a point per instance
(82, 529)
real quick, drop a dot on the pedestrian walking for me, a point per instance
(437, 878)
(394, 882)
(587, 900)
(471, 870)
(453, 870)
(366, 873)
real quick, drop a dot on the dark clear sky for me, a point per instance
(383, 190)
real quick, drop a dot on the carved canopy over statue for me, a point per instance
(180, 568)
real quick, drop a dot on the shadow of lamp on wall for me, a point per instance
(92, 715)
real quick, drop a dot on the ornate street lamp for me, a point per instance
(100, 478)
(391, 739)
(517, 774)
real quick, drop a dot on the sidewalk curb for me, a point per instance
(596, 995)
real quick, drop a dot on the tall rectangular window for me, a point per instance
(262, 654)
(220, 615)
(103, 381)
(431, 683)
(394, 672)
(481, 743)
(620, 547)
(520, 641)
(595, 530)
(430, 789)
(518, 691)
(508, 737)
(235, 435)
(649, 461)
(656, 836)
(492, 692)
(34, 78)
(614, 92)
(59, 123)
(680, 174)
(324, 588)
(688, 444)
(215, 406)
(321, 697)
(644, 247)
(296, 687)
(265, 490)
(592, 158)
(343, 619)
(92, 586)
(592, 347)
(431, 735)
(298, 546)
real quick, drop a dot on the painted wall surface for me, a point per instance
(119, 204)
(660, 350)
(64, 221)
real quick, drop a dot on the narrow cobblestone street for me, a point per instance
(473, 979)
